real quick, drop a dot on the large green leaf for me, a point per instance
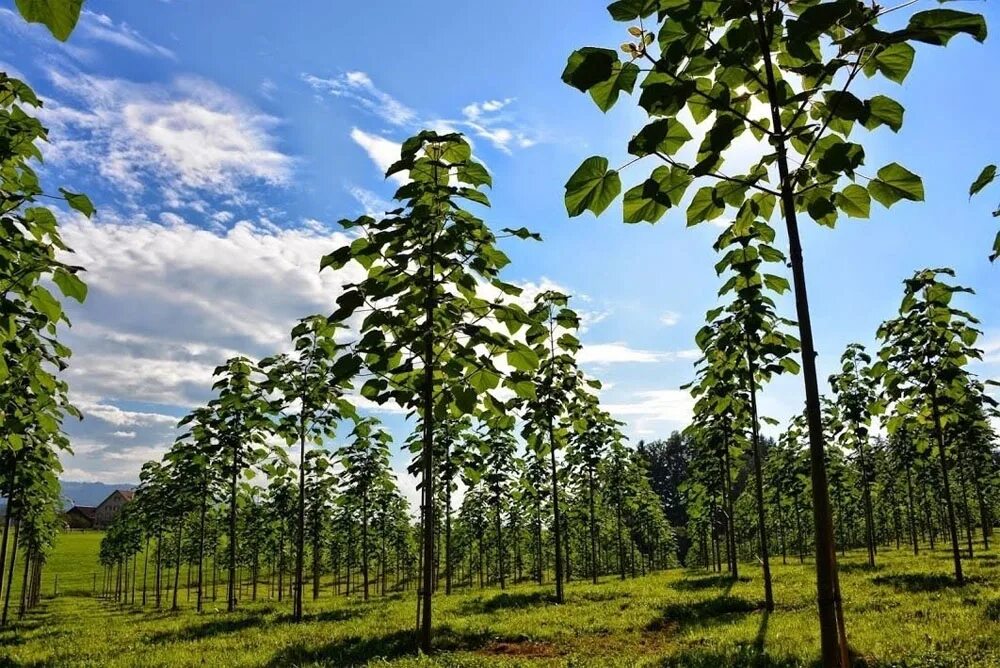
(623, 76)
(59, 16)
(589, 66)
(705, 206)
(630, 10)
(666, 135)
(984, 179)
(938, 26)
(894, 62)
(854, 200)
(650, 199)
(70, 285)
(884, 111)
(592, 186)
(78, 202)
(894, 183)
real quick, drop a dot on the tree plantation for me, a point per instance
(430, 470)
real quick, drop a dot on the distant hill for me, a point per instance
(89, 493)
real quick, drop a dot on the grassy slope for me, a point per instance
(905, 613)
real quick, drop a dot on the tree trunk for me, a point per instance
(833, 635)
(233, 490)
(952, 528)
(300, 537)
(758, 472)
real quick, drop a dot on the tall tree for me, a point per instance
(310, 386)
(431, 298)
(922, 366)
(784, 77)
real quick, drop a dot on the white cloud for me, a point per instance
(648, 410)
(122, 418)
(383, 152)
(358, 87)
(670, 318)
(123, 434)
(101, 28)
(620, 352)
(189, 135)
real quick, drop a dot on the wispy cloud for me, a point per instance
(101, 28)
(670, 318)
(487, 120)
(358, 87)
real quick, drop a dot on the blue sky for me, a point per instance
(221, 142)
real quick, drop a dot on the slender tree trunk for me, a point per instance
(364, 540)
(910, 510)
(201, 546)
(11, 500)
(833, 635)
(593, 525)
(499, 522)
(10, 574)
(177, 565)
(427, 454)
(952, 528)
(758, 472)
(300, 537)
(233, 490)
(866, 494)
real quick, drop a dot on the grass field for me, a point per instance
(905, 613)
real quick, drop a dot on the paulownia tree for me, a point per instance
(431, 302)
(922, 366)
(854, 389)
(309, 386)
(779, 73)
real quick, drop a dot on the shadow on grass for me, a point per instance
(707, 582)
(210, 629)
(356, 650)
(743, 656)
(505, 601)
(719, 609)
(858, 567)
(336, 615)
(920, 582)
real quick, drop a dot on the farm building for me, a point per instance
(81, 517)
(111, 506)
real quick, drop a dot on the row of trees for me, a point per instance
(33, 398)
(431, 328)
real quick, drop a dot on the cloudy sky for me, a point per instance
(221, 142)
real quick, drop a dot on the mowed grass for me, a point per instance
(905, 613)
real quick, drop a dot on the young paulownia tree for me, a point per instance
(781, 73)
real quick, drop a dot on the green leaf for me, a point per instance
(465, 399)
(650, 199)
(854, 200)
(984, 179)
(588, 67)
(884, 111)
(630, 10)
(894, 183)
(623, 76)
(474, 174)
(938, 26)
(46, 303)
(894, 62)
(70, 285)
(522, 358)
(704, 206)
(592, 186)
(79, 202)
(666, 135)
(59, 16)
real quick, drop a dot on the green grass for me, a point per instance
(906, 613)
